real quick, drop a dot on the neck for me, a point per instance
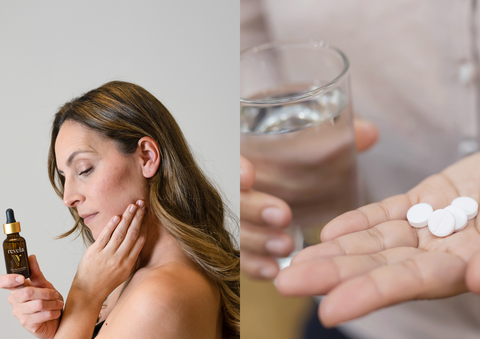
(160, 247)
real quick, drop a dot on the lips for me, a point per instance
(87, 217)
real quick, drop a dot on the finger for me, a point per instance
(436, 190)
(11, 281)
(265, 241)
(258, 267)
(121, 231)
(36, 276)
(263, 209)
(427, 275)
(366, 134)
(40, 318)
(137, 248)
(27, 283)
(34, 293)
(133, 230)
(138, 245)
(247, 174)
(472, 276)
(396, 233)
(35, 306)
(393, 208)
(106, 234)
(320, 275)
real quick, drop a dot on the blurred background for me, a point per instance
(266, 314)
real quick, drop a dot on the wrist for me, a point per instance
(82, 307)
(80, 291)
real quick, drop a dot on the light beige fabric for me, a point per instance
(413, 66)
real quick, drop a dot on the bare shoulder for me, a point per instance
(178, 288)
(174, 300)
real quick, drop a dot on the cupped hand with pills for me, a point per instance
(372, 257)
(263, 217)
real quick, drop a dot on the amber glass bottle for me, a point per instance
(15, 247)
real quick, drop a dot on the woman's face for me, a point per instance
(99, 181)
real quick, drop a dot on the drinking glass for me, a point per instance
(297, 130)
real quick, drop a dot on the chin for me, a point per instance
(94, 234)
(95, 229)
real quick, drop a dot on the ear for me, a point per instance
(149, 155)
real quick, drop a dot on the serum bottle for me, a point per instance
(15, 247)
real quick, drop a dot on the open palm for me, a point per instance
(372, 258)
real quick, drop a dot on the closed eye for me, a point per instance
(86, 172)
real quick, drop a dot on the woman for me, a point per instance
(155, 224)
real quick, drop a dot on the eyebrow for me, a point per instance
(74, 154)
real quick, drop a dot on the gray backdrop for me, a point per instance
(184, 52)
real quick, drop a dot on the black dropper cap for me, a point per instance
(10, 216)
(12, 226)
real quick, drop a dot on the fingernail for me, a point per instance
(140, 203)
(276, 246)
(56, 295)
(132, 208)
(272, 216)
(268, 272)
(19, 279)
(115, 219)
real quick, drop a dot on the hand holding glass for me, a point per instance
(297, 130)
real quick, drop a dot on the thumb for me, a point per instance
(36, 276)
(366, 134)
(12, 281)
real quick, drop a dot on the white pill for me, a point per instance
(461, 218)
(469, 205)
(419, 214)
(441, 223)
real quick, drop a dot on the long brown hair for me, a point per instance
(181, 197)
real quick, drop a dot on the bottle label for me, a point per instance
(20, 269)
(16, 258)
(16, 255)
(18, 250)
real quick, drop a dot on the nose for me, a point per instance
(71, 195)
